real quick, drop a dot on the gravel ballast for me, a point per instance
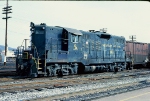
(46, 92)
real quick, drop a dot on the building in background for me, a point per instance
(10, 55)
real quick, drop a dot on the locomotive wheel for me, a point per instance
(18, 70)
(116, 69)
(130, 68)
(48, 72)
(60, 73)
(40, 75)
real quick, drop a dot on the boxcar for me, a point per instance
(138, 53)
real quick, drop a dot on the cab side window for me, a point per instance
(74, 38)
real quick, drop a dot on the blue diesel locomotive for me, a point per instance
(59, 50)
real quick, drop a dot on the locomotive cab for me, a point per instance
(73, 35)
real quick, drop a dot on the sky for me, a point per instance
(121, 18)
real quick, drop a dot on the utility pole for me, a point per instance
(6, 11)
(132, 37)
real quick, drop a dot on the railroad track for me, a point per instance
(7, 73)
(55, 82)
(14, 85)
(7, 70)
(66, 92)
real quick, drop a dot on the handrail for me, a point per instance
(35, 49)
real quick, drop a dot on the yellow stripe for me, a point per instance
(135, 96)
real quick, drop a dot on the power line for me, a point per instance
(14, 32)
(22, 19)
(3, 5)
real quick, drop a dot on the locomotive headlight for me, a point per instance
(32, 30)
